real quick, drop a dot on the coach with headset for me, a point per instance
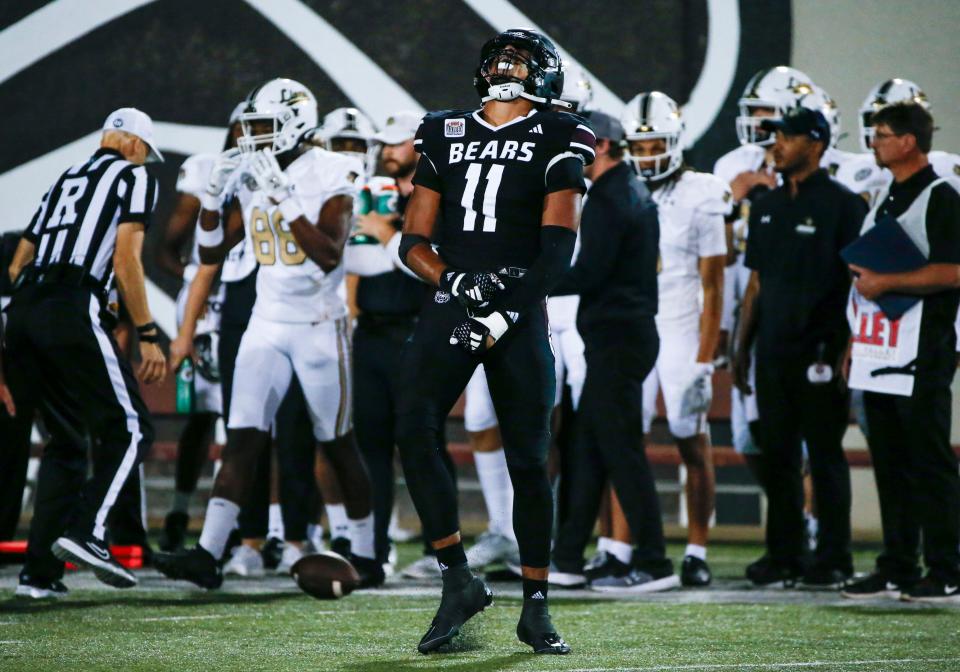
(87, 234)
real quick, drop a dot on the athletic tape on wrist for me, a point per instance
(209, 238)
(210, 201)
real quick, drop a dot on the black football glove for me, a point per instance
(471, 334)
(472, 290)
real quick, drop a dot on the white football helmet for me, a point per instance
(819, 99)
(891, 91)
(350, 123)
(288, 105)
(577, 91)
(778, 89)
(654, 116)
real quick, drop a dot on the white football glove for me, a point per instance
(275, 183)
(224, 166)
(471, 334)
(699, 393)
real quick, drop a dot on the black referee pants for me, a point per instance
(59, 353)
(520, 373)
(793, 410)
(917, 481)
(608, 445)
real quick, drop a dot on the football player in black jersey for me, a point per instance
(498, 190)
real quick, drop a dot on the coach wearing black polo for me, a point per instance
(87, 233)
(794, 308)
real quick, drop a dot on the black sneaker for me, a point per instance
(695, 573)
(818, 577)
(872, 585)
(40, 589)
(536, 629)
(272, 553)
(174, 531)
(932, 589)
(196, 565)
(88, 551)
(370, 571)
(456, 608)
(604, 564)
(765, 572)
(340, 546)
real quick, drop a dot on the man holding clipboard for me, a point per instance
(902, 354)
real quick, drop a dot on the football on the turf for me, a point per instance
(325, 576)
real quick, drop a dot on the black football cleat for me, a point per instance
(536, 630)
(88, 551)
(196, 565)
(767, 573)
(370, 571)
(174, 531)
(456, 608)
(695, 573)
(340, 546)
(272, 553)
(40, 589)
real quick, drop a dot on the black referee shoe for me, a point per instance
(769, 574)
(40, 589)
(88, 551)
(695, 573)
(933, 589)
(196, 565)
(456, 608)
(536, 629)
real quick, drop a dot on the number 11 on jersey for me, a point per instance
(489, 207)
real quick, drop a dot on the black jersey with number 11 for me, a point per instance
(493, 179)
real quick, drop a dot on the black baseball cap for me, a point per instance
(800, 121)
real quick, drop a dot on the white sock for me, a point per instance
(181, 502)
(621, 550)
(217, 526)
(275, 526)
(497, 490)
(361, 537)
(315, 534)
(337, 519)
(603, 544)
(696, 551)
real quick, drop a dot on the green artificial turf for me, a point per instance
(150, 628)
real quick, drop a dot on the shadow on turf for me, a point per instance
(869, 610)
(472, 665)
(21, 606)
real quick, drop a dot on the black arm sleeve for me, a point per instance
(556, 251)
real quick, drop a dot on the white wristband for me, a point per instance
(209, 238)
(290, 208)
(496, 323)
(209, 201)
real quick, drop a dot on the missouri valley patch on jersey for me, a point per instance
(493, 179)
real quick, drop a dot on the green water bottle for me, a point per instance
(185, 387)
(366, 205)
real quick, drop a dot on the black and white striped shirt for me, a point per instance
(77, 220)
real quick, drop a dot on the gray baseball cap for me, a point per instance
(605, 127)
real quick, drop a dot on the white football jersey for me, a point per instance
(194, 174)
(861, 175)
(692, 210)
(290, 286)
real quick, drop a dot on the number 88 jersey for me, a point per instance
(290, 286)
(493, 179)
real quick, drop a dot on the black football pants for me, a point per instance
(793, 410)
(59, 353)
(520, 374)
(608, 446)
(917, 481)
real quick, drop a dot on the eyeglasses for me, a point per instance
(880, 135)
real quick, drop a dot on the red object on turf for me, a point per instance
(325, 576)
(130, 557)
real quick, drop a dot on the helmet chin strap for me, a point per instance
(512, 90)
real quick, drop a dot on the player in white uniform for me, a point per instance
(692, 208)
(296, 209)
(207, 405)
(748, 169)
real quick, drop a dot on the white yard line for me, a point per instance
(771, 666)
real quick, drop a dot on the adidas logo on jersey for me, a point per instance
(536, 129)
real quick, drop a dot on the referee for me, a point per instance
(86, 234)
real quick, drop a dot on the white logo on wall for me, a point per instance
(454, 128)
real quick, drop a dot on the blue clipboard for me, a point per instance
(886, 248)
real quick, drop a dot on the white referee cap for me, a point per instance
(399, 127)
(138, 123)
